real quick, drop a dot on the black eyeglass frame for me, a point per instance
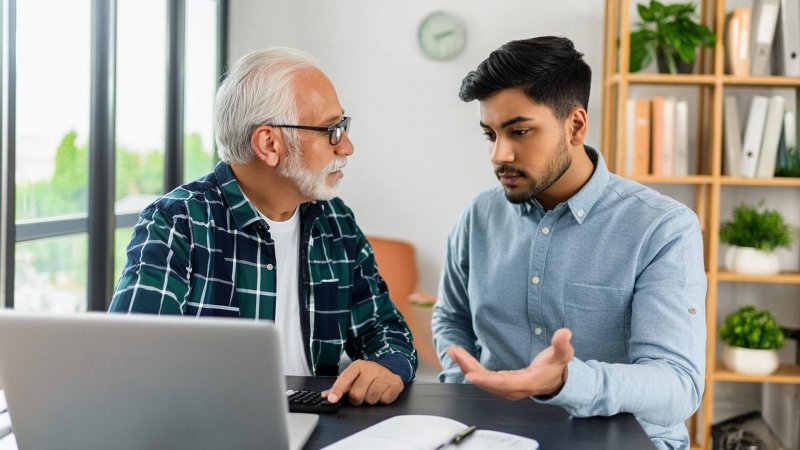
(334, 131)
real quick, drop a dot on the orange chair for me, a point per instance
(397, 265)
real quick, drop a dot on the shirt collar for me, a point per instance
(243, 212)
(582, 202)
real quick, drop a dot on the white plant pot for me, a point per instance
(751, 261)
(749, 361)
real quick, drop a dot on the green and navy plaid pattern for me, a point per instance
(204, 250)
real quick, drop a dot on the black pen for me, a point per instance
(460, 436)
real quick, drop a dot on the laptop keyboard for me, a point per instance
(309, 402)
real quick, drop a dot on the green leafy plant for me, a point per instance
(752, 328)
(757, 227)
(669, 32)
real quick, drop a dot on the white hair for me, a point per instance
(257, 90)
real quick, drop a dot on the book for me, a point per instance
(640, 138)
(731, 165)
(753, 134)
(737, 42)
(657, 134)
(630, 128)
(786, 48)
(407, 432)
(681, 159)
(765, 18)
(772, 135)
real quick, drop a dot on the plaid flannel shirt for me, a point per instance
(204, 250)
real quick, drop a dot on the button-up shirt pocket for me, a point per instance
(597, 317)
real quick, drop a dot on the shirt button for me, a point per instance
(580, 213)
(537, 331)
(270, 267)
(535, 280)
(545, 230)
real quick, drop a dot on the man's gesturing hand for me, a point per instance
(545, 376)
(366, 382)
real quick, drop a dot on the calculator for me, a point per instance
(309, 402)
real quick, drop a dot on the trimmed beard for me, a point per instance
(556, 168)
(311, 185)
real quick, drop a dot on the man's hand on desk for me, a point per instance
(366, 382)
(545, 376)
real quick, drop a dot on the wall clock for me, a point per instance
(441, 36)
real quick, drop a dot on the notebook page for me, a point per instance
(409, 432)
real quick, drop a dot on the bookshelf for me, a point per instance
(707, 181)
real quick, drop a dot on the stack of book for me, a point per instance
(657, 141)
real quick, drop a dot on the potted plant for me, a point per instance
(752, 339)
(670, 34)
(754, 234)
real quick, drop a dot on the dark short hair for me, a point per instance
(547, 68)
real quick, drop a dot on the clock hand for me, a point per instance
(443, 34)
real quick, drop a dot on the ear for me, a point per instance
(576, 125)
(267, 144)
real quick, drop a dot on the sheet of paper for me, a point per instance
(420, 432)
(402, 433)
(494, 440)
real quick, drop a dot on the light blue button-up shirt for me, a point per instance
(618, 264)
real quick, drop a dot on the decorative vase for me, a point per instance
(751, 261)
(749, 361)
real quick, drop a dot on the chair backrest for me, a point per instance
(398, 266)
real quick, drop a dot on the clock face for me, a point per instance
(441, 36)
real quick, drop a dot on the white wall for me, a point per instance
(419, 153)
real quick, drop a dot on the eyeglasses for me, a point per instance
(334, 131)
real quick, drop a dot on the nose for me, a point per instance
(345, 145)
(501, 152)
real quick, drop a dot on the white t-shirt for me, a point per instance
(287, 306)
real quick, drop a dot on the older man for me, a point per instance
(264, 237)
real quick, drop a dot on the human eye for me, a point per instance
(489, 135)
(520, 131)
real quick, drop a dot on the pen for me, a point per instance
(460, 436)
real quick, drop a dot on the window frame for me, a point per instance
(100, 222)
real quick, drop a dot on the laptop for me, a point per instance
(101, 381)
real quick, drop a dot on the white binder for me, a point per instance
(772, 135)
(765, 17)
(733, 138)
(786, 54)
(753, 135)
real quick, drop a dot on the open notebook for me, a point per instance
(428, 432)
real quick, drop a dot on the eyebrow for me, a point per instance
(511, 121)
(332, 118)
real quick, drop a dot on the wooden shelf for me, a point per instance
(708, 88)
(660, 78)
(731, 80)
(781, 278)
(775, 181)
(786, 374)
(691, 179)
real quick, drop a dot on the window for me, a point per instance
(52, 114)
(200, 87)
(141, 103)
(50, 79)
